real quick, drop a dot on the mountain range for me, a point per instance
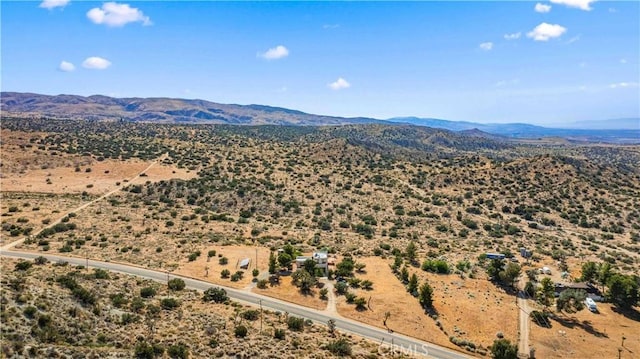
(173, 110)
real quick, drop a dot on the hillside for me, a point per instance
(160, 110)
(181, 194)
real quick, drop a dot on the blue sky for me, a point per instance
(538, 62)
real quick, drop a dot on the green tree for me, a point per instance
(546, 292)
(272, 263)
(604, 273)
(589, 272)
(426, 295)
(571, 301)
(503, 349)
(510, 274)
(404, 275)
(284, 259)
(303, 280)
(345, 267)
(310, 266)
(623, 290)
(496, 266)
(411, 252)
(412, 287)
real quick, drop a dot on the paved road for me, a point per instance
(392, 341)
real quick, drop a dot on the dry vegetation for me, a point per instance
(117, 318)
(361, 191)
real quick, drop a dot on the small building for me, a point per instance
(587, 287)
(495, 256)
(244, 264)
(300, 261)
(320, 258)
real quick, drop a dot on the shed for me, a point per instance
(244, 264)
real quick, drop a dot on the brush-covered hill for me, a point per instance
(164, 110)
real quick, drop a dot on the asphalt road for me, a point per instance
(392, 341)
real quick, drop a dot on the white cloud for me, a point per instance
(623, 61)
(486, 46)
(542, 8)
(66, 66)
(580, 4)
(613, 10)
(339, 84)
(96, 63)
(573, 39)
(114, 14)
(275, 53)
(514, 36)
(50, 4)
(623, 85)
(544, 32)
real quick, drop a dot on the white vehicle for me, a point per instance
(591, 304)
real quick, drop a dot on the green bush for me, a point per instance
(295, 323)
(148, 292)
(340, 347)
(241, 331)
(176, 284)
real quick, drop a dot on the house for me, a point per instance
(587, 287)
(495, 256)
(320, 258)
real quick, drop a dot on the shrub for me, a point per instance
(169, 303)
(340, 347)
(262, 284)
(295, 323)
(225, 273)
(178, 351)
(30, 311)
(148, 292)
(176, 284)
(40, 260)
(241, 331)
(223, 260)
(279, 334)
(214, 294)
(99, 273)
(23, 265)
(251, 314)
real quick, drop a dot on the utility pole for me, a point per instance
(256, 258)
(260, 301)
(87, 266)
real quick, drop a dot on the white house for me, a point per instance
(320, 258)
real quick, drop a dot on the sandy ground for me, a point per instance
(588, 335)
(287, 291)
(463, 306)
(198, 268)
(103, 176)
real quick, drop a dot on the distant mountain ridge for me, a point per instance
(174, 110)
(164, 110)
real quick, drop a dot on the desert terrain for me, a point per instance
(180, 198)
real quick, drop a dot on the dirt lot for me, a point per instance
(462, 305)
(588, 335)
(234, 255)
(102, 177)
